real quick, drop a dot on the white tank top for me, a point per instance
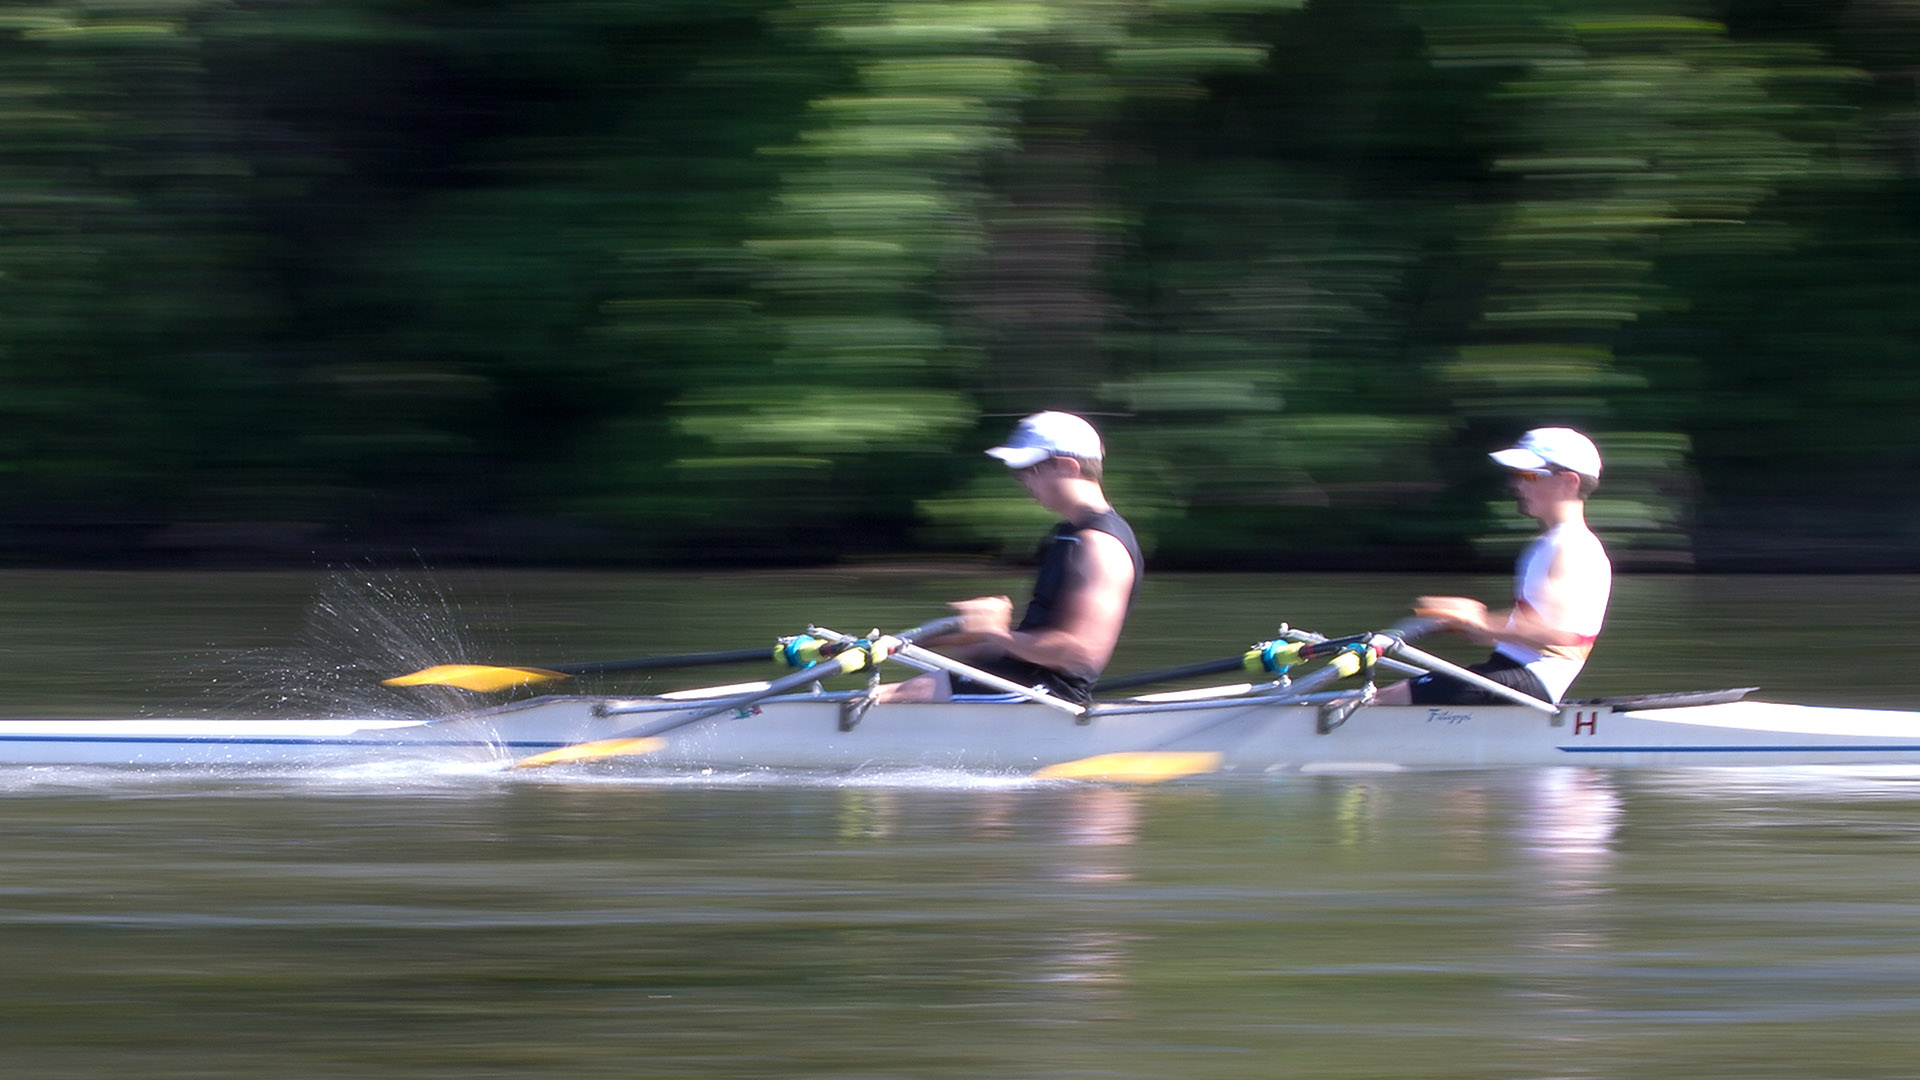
(1580, 606)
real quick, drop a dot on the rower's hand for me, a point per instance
(1460, 613)
(985, 618)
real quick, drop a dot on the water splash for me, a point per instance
(362, 626)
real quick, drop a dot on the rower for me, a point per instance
(1089, 576)
(1561, 583)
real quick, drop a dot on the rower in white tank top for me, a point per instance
(1563, 580)
(1561, 584)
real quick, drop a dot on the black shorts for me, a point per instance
(1026, 674)
(1436, 689)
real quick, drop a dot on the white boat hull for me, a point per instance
(806, 733)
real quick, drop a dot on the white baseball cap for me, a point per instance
(1046, 434)
(1547, 447)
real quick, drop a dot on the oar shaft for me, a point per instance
(651, 663)
(847, 661)
(1148, 678)
(851, 660)
(1267, 656)
(487, 679)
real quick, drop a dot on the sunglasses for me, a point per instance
(1536, 474)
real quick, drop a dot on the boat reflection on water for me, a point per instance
(1095, 838)
(1100, 818)
(866, 814)
(1568, 823)
(1564, 841)
(1071, 847)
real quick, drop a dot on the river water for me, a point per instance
(380, 922)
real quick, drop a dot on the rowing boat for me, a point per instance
(1276, 725)
(812, 732)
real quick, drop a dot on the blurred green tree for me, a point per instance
(123, 184)
(756, 279)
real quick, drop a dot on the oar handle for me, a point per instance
(1414, 629)
(937, 628)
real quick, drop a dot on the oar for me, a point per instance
(638, 739)
(488, 679)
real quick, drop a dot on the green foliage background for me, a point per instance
(755, 280)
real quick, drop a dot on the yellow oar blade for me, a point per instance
(1148, 767)
(591, 751)
(475, 677)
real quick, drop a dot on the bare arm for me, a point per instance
(1087, 627)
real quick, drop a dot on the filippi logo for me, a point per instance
(1447, 716)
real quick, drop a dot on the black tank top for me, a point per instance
(1052, 579)
(1056, 562)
